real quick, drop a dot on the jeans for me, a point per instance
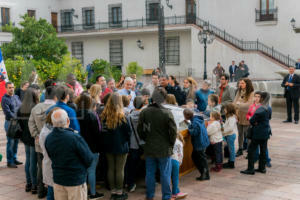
(257, 153)
(262, 157)
(165, 167)
(31, 165)
(200, 160)
(175, 177)
(92, 174)
(11, 146)
(218, 150)
(50, 194)
(230, 142)
(132, 164)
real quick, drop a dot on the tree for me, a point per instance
(134, 68)
(103, 67)
(35, 39)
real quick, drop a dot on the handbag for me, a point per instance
(249, 133)
(14, 129)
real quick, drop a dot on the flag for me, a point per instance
(2, 67)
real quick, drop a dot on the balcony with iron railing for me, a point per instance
(266, 15)
(183, 20)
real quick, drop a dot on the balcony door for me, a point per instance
(54, 20)
(267, 9)
(190, 11)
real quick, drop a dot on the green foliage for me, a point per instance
(51, 70)
(18, 70)
(102, 67)
(7, 27)
(35, 39)
(134, 68)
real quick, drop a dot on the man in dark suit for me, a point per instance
(232, 69)
(291, 84)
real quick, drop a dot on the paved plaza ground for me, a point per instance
(282, 181)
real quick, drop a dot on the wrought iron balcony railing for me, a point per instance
(266, 15)
(222, 34)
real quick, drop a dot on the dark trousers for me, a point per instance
(262, 156)
(218, 151)
(231, 78)
(290, 101)
(200, 161)
(41, 187)
(132, 166)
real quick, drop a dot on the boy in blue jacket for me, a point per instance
(200, 141)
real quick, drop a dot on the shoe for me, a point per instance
(180, 195)
(131, 188)
(217, 168)
(34, 189)
(296, 122)
(42, 193)
(12, 165)
(269, 165)
(122, 196)
(113, 196)
(96, 196)
(239, 153)
(28, 187)
(248, 172)
(287, 121)
(263, 171)
(229, 165)
(204, 176)
(18, 162)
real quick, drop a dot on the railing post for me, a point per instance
(142, 21)
(175, 20)
(288, 60)
(257, 44)
(242, 44)
(224, 34)
(272, 52)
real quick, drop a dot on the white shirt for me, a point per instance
(214, 132)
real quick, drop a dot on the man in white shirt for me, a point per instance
(127, 90)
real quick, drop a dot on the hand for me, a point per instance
(129, 97)
(233, 74)
(37, 139)
(286, 84)
(291, 84)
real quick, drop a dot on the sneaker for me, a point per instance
(18, 162)
(180, 195)
(269, 165)
(131, 188)
(12, 165)
(28, 187)
(122, 196)
(96, 196)
(34, 189)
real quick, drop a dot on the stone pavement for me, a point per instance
(281, 182)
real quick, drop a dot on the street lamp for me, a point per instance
(205, 36)
(293, 24)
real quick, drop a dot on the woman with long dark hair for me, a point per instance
(260, 133)
(243, 99)
(31, 98)
(116, 133)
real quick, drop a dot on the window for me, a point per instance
(116, 52)
(77, 50)
(191, 11)
(5, 16)
(267, 5)
(31, 13)
(267, 11)
(115, 15)
(66, 20)
(152, 11)
(88, 18)
(172, 51)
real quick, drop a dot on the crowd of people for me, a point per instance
(75, 136)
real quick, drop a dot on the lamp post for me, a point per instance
(293, 24)
(205, 36)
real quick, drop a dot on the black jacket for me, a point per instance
(23, 121)
(295, 90)
(116, 141)
(231, 69)
(260, 122)
(178, 93)
(89, 129)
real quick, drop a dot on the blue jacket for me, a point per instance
(70, 156)
(260, 122)
(202, 98)
(74, 124)
(10, 106)
(198, 133)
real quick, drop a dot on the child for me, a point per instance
(126, 103)
(212, 105)
(200, 141)
(190, 103)
(176, 162)
(229, 133)
(216, 138)
(135, 149)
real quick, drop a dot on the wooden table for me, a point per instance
(187, 165)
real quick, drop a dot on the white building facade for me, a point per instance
(110, 29)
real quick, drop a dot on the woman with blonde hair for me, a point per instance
(116, 136)
(95, 92)
(171, 99)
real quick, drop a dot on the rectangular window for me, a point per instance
(77, 50)
(152, 11)
(66, 20)
(267, 11)
(5, 16)
(115, 15)
(116, 52)
(88, 18)
(31, 13)
(172, 51)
